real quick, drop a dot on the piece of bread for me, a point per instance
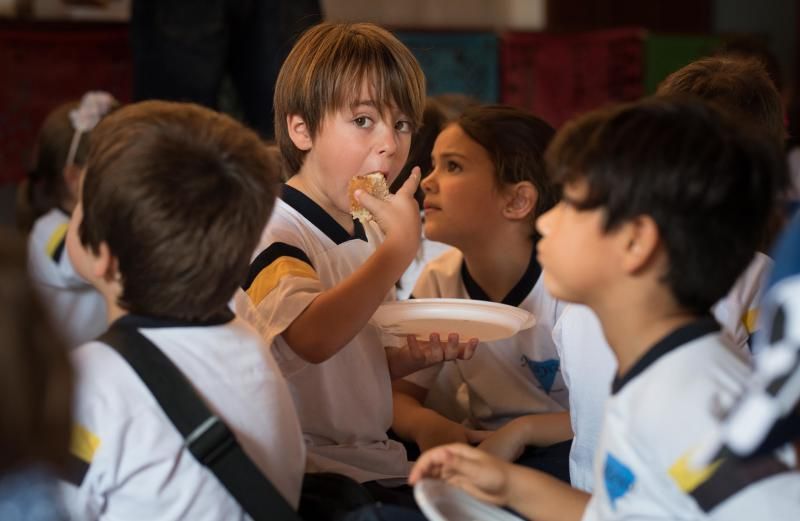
(374, 184)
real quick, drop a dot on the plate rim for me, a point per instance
(527, 319)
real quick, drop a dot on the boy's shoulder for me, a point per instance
(127, 442)
(696, 354)
(233, 352)
(674, 393)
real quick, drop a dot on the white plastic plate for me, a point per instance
(486, 321)
(442, 502)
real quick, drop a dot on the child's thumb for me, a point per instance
(410, 186)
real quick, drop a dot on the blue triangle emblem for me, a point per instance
(618, 478)
(545, 372)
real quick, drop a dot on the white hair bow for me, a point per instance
(93, 106)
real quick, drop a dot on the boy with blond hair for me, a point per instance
(347, 101)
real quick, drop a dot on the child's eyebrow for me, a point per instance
(363, 103)
(452, 154)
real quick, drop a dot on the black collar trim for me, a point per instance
(680, 337)
(517, 294)
(320, 218)
(149, 322)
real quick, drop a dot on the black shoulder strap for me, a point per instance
(206, 436)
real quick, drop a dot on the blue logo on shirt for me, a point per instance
(545, 371)
(619, 479)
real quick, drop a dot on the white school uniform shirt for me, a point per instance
(588, 364)
(505, 378)
(345, 402)
(737, 312)
(130, 461)
(428, 250)
(588, 367)
(660, 411)
(77, 310)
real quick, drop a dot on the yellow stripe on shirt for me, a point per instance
(55, 239)
(750, 320)
(270, 276)
(689, 478)
(84, 443)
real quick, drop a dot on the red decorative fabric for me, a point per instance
(558, 76)
(43, 65)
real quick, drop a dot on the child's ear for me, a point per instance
(105, 265)
(520, 201)
(641, 240)
(299, 132)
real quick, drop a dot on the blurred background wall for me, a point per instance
(554, 57)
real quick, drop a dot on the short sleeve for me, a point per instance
(281, 283)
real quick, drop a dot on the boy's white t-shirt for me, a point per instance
(138, 467)
(506, 378)
(661, 411)
(588, 364)
(345, 402)
(77, 310)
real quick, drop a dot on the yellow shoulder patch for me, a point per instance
(55, 239)
(84, 443)
(689, 478)
(270, 276)
(750, 320)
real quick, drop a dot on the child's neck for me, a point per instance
(634, 321)
(300, 182)
(113, 310)
(497, 265)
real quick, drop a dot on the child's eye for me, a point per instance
(403, 126)
(452, 166)
(363, 122)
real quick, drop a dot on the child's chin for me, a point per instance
(432, 234)
(554, 288)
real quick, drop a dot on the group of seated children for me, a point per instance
(619, 233)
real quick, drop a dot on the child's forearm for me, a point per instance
(541, 497)
(338, 314)
(542, 430)
(427, 428)
(408, 413)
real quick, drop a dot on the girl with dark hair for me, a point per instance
(50, 194)
(487, 187)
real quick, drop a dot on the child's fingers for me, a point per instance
(435, 344)
(451, 350)
(433, 462)
(410, 186)
(418, 352)
(469, 348)
(429, 465)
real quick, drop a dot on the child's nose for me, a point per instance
(387, 144)
(543, 221)
(427, 183)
